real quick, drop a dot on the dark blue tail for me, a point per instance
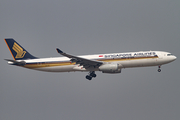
(17, 51)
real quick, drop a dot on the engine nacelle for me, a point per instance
(110, 68)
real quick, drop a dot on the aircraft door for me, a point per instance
(160, 57)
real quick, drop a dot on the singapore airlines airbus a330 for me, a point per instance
(107, 63)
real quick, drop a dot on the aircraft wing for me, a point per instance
(82, 61)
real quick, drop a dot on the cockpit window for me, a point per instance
(169, 54)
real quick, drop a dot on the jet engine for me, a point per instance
(110, 68)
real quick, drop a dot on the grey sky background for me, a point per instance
(84, 27)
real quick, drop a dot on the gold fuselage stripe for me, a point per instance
(52, 64)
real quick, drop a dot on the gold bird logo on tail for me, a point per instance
(18, 50)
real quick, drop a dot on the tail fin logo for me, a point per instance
(18, 50)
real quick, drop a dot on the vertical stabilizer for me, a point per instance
(17, 51)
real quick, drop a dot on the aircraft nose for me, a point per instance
(171, 58)
(174, 58)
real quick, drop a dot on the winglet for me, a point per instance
(59, 51)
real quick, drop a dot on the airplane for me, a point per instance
(106, 63)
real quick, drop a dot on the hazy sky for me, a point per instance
(84, 27)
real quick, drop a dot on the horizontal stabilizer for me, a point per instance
(14, 62)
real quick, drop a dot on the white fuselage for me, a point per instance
(124, 60)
